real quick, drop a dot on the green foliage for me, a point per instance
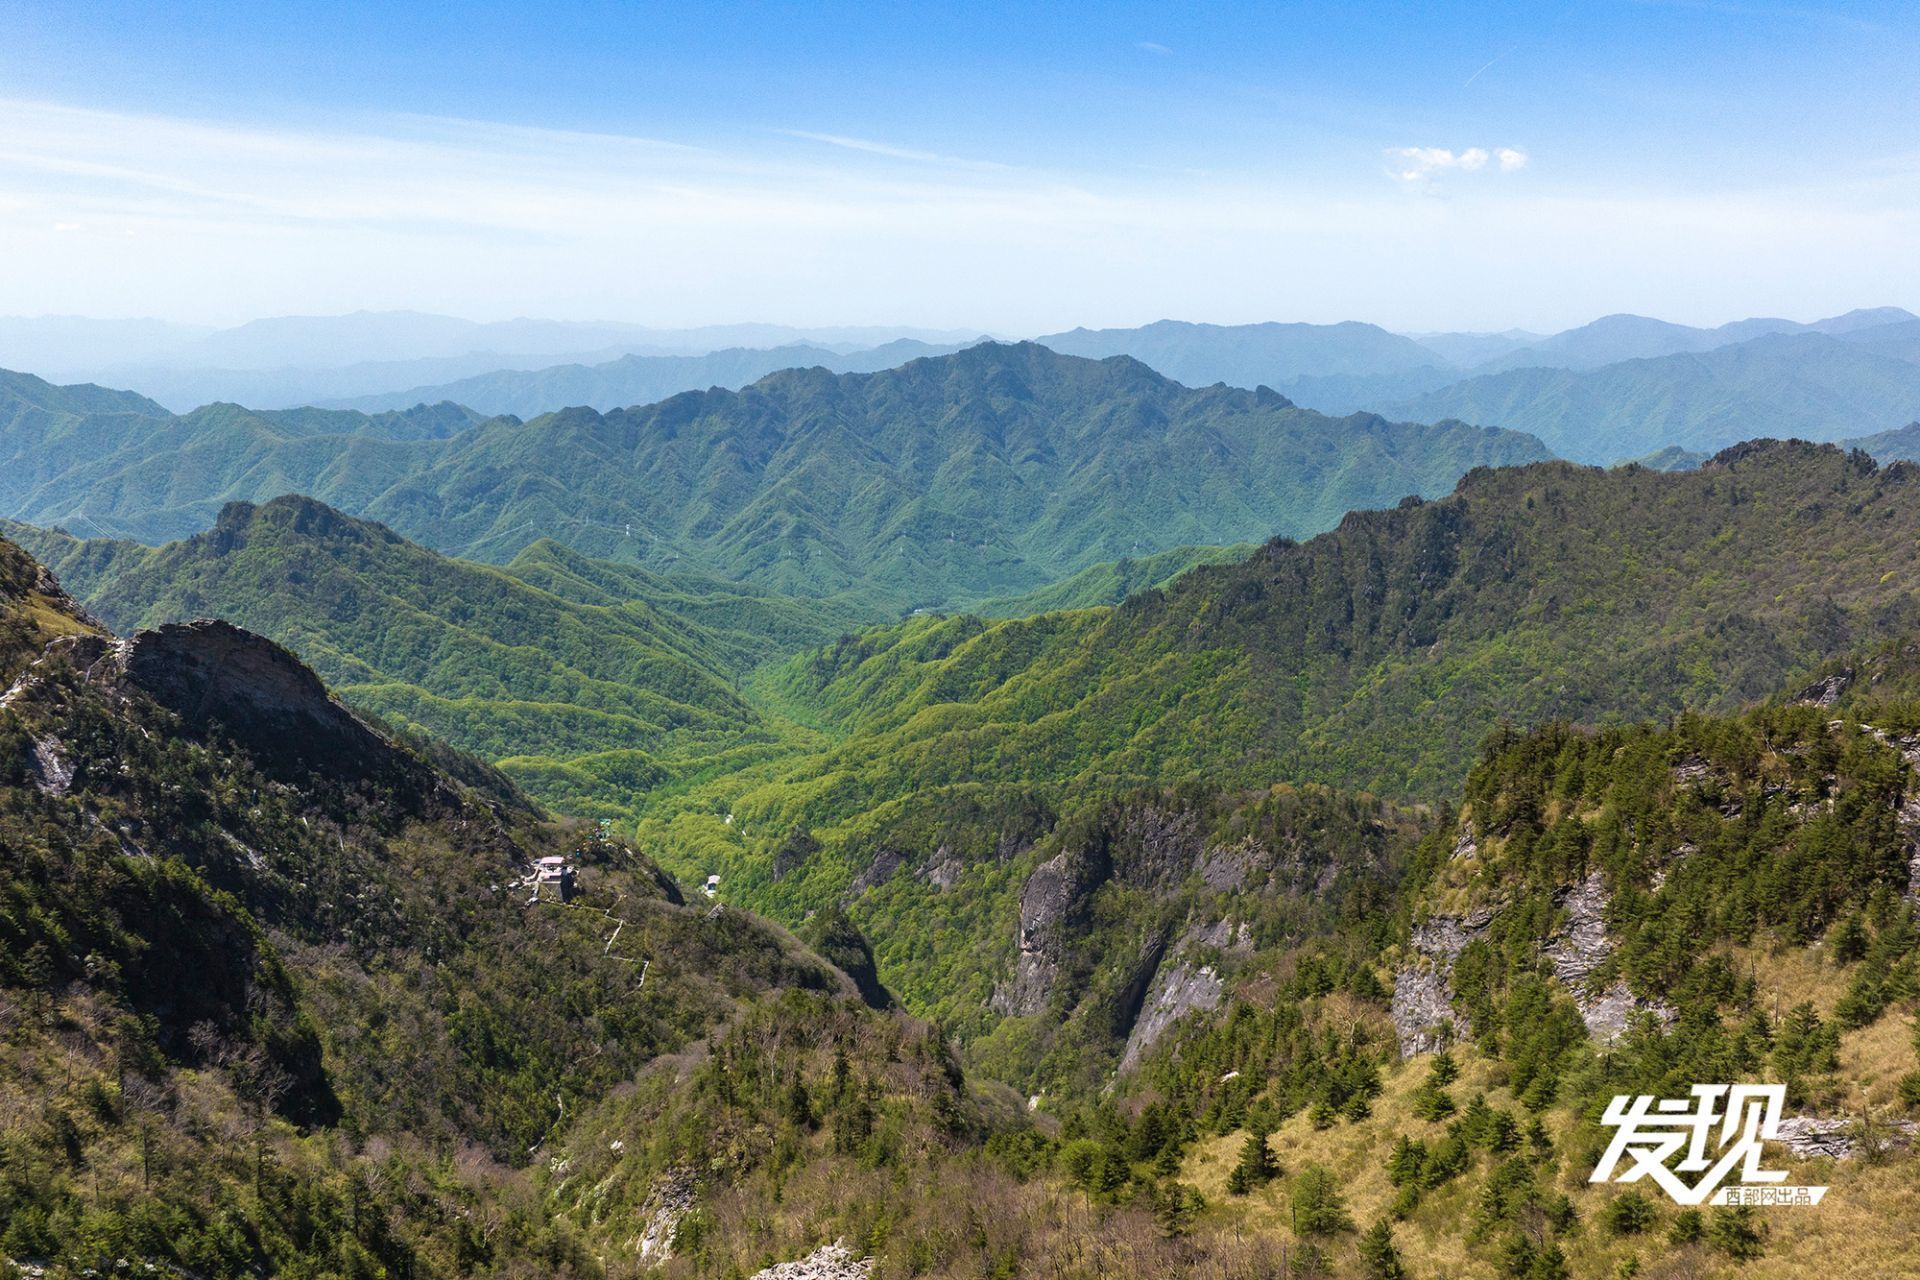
(1256, 1166)
(1318, 1207)
(1379, 1260)
(1737, 1231)
(988, 472)
(1109, 584)
(1629, 1214)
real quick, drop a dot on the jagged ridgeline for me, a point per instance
(982, 474)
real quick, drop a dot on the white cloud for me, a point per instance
(1151, 46)
(1418, 164)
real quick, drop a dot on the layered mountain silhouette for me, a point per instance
(984, 473)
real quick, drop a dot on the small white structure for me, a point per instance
(557, 872)
(713, 886)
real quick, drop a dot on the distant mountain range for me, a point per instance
(378, 361)
(1611, 339)
(989, 472)
(1809, 385)
(284, 361)
(639, 379)
(1615, 389)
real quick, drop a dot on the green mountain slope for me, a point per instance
(268, 969)
(117, 465)
(553, 659)
(981, 474)
(1380, 653)
(1806, 385)
(995, 469)
(1376, 657)
(1111, 583)
(1626, 911)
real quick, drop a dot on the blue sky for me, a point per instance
(1008, 167)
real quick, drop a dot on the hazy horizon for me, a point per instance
(886, 325)
(1472, 168)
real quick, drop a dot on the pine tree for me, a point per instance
(1318, 1207)
(1256, 1167)
(1379, 1259)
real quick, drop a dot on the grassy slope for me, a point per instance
(1110, 583)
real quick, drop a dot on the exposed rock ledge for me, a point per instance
(261, 696)
(829, 1262)
(1177, 991)
(1839, 1137)
(1422, 1002)
(668, 1202)
(1583, 948)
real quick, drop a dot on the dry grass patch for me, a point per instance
(1789, 975)
(1868, 1226)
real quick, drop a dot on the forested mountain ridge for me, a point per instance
(1241, 956)
(118, 465)
(985, 473)
(534, 666)
(1529, 593)
(280, 1001)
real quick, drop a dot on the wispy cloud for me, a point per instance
(220, 222)
(1421, 164)
(1151, 46)
(887, 149)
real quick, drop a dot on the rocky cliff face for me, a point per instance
(213, 674)
(1583, 947)
(1178, 989)
(1052, 901)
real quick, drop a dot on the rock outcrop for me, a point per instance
(1051, 902)
(261, 697)
(48, 768)
(1840, 1138)
(1581, 949)
(1422, 1008)
(666, 1204)
(1827, 691)
(1178, 989)
(829, 1262)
